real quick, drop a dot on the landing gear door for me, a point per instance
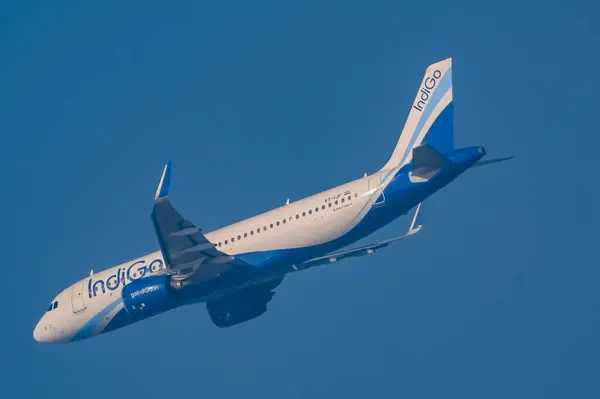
(376, 190)
(77, 298)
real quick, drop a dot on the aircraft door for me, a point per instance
(77, 298)
(376, 190)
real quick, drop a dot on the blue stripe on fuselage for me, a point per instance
(90, 328)
(401, 195)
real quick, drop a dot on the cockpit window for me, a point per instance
(50, 308)
(53, 305)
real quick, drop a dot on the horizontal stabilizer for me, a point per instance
(425, 156)
(427, 163)
(491, 161)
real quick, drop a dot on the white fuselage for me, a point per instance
(276, 242)
(305, 223)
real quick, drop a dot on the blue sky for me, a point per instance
(255, 102)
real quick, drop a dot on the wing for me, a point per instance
(242, 306)
(362, 250)
(187, 252)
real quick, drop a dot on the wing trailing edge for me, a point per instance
(369, 249)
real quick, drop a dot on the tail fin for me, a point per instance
(431, 118)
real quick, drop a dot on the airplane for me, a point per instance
(235, 270)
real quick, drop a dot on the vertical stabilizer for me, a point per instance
(431, 117)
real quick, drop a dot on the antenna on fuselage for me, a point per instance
(287, 202)
(92, 272)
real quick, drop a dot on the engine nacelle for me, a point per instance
(148, 296)
(227, 314)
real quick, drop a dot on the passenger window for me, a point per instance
(277, 223)
(323, 207)
(258, 230)
(252, 232)
(343, 200)
(283, 221)
(310, 212)
(355, 195)
(226, 242)
(219, 244)
(297, 216)
(336, 202)
(303, 214)
(264, 228)
(232, 239)
(245, 235)
(271, 226)
(330, 204)
(349, 197)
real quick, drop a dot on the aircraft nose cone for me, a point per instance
(45, 333)
(38, 334)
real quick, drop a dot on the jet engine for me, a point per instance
(149, 296)
(229, 312)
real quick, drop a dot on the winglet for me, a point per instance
(414, 227)
(165, 181)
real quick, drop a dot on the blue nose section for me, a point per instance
(467, 156)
